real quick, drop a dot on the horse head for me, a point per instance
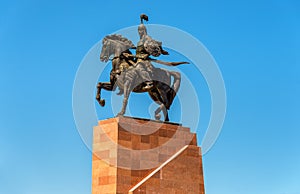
(114, 45)
(106, 50)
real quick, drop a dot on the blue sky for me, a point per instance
(255, 43)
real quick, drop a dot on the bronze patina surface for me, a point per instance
(136, 73)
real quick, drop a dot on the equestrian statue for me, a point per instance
(135, 73)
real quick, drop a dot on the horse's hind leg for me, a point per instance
(174, 88)
(176, 82)
(165, 111)
(160, 97)
(157, 114)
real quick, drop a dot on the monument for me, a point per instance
(134, 155)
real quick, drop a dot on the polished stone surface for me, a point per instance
(132, 155)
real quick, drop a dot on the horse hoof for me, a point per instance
(120, 114)
(157, 116)
(102, 102)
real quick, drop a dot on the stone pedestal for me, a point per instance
(142, 156)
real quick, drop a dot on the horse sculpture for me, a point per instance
(125, 76)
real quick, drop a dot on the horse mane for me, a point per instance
(120, 39)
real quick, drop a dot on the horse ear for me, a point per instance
(103, 40)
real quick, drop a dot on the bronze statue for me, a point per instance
(146, 47)
(135, 73)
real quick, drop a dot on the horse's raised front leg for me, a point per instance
(103, 85)
(127, 90)
(109, 86)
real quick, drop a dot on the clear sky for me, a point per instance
(255, 43)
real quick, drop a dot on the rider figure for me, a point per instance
(142, 55)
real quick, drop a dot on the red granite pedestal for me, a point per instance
(139, 156)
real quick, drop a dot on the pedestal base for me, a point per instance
(134, 156)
